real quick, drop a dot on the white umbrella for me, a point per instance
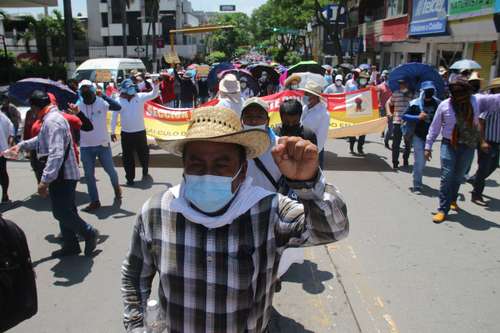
(465, 64)
(308, 76)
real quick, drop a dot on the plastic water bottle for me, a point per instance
(153, 318)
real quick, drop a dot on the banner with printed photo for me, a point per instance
(351, 114)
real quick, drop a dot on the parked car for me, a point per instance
(118, 67)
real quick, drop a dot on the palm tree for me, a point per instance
(27, 36)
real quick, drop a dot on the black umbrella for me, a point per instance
(257, 70)
(22, 90)
(307, 67)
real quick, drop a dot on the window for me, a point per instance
(104, 20)
(397, 7)
(105, 41)
(117, 40)
(104, 1)
(116, 13)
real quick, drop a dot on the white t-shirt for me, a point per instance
(259, 178)
(6, 130)
(318, 120)
(132, 112)
(97, 114)
(236, 107)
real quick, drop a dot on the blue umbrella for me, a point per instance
(465, 64)
(414, 74)
(364, 67)
(22, 90)
(214, 72)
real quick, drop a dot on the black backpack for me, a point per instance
(18, 298)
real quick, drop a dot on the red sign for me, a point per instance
(395, 30)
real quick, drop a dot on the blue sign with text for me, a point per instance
(429, 17)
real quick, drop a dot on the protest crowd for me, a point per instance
(253, 192)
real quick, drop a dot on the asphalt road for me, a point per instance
(396, 272)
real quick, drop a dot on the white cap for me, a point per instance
(85, 83)
(339, 77)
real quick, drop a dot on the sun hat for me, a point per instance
(256, 101)
(495, 83)
(313, 88)
(222, 125)
(229, 84)
(364, 75)
(293, 78)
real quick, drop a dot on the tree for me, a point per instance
(230, 40)
(333, 31)
(27, 37)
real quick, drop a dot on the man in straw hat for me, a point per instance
(230, 94)
(215, 240)
(315, 115)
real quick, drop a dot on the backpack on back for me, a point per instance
(18, 296)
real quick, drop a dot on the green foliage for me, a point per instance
(291, 58)
(229, 40)
(215, 56)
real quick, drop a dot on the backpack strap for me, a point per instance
(266, 173)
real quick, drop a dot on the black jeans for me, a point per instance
(361, 142)
(4, 178)
(396, 144)
(134, 142)
(487, 164)
(62, 197)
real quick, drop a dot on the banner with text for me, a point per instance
(351, 114)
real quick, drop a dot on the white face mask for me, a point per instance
(338, 83)
(363, 82)
(261, 127)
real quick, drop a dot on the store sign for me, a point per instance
(429, 17)
(227, 8)
(458, 9)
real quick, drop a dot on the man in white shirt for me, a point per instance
(230, 94)
(95, 144)
(352, 84)
(6, 140)
(337, 87)
(315, 115)
(133, 134)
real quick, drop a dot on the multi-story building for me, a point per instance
(105, 28)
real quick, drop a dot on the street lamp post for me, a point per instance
(70, 45)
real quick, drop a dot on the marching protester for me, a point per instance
(396, 106)
(12, 113)
(290, 115)
(53, 146)
(246, 91)
(384, 94)
(419, 116)
(133, 130)
(315, 115)
(6, 140)
(475, 82)
(189, 92)
(362, 83)
(489, 147)
(456, 119)
(292, 82)
(95, 144)
(264, 84)
(227, 233)
(166, 89)
(230, 94)
(353, 84)
(203, 91)
(337, 87)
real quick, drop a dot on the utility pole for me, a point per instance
(70, 45)
(124, 27)
(154, 20)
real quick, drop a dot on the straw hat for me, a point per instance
(495, 83)
(229, 84)
(219, 124)
(293, 78)
(313, 88)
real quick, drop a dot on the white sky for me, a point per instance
(80, 6)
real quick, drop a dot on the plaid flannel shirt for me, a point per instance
(223, 279)
(52, 142)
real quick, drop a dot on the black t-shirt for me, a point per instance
(303, 132)
(422, 126)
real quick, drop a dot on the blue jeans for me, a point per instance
(454, 163)
(89, 156)
(487, 164)
(62, 198)
(419, 165)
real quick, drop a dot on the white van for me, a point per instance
(119, 68)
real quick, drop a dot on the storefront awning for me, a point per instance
(477, 29)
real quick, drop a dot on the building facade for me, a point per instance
(105, 28)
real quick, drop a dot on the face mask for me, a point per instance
(131, 91)
(294, 86)
(338, 83)
(363, 82)
(243, 85)
(261, 127)
(209, 193)
(429, 93)
(305, 100)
